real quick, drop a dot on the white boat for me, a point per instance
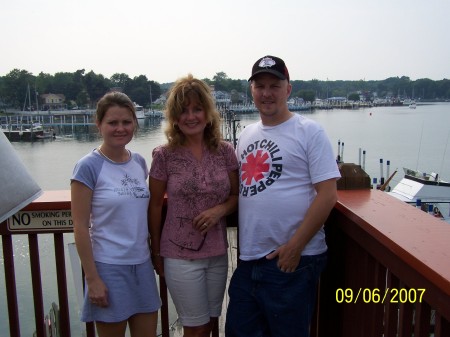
(139, 111)
(407, 101)
(40, 132)
(154, 114)
(412, 105)
(426, 191)
(142, 114)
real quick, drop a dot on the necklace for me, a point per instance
(104, 155)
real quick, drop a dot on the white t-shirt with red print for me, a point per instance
(278, 167)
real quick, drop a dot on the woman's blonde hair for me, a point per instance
(180, 95)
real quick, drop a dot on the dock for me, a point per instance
(66, 122)
(49, 119)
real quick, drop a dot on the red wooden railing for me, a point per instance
(382, 254)
(391, 262)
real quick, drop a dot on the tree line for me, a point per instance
(84, 89)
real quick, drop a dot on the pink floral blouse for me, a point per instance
(193, 186)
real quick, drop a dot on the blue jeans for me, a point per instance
(266, 302)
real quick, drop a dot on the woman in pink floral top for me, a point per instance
(199, 173)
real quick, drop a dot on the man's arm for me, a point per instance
(289, 254)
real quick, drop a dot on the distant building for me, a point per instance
(53, 102)
(115, 89)
(161, 100)
(221, 97)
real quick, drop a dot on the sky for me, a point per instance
(167, 39)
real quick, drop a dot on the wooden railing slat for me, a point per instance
(35, 266)
(10, 280)
(442, 327)
(64, 318)
(422, 319)
(391, 314)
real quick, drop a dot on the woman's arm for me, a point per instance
(211, 216)
(81, 197)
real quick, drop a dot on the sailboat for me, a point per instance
(412, 105)
(21, 133)
(35, 132)
(28, 98)
(150, 113)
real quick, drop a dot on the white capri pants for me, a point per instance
(197, 287)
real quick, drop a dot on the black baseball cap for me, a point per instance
(272, 65)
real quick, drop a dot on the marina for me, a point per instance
(371, 227)
(22, 126)
(19, 126)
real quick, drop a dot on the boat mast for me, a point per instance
(36, 96)
(29, 98)
(26, 96)
(151, 99)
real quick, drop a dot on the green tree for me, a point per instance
(15, 87)
(44, 83)
(155, 91)
(86, 88)
(353, 96)
(69, 84)
(82, 99)
(307, 95)
(220, 81)
(138, 90)
(96, 86)
(442, 88)
(424, 87)
(120, 80)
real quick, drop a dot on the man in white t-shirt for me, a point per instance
(287, 189)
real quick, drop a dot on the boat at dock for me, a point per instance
(154, 114)
(425, 190)
(407, 101)
(35, 132)
(139, 110)
(141, 113)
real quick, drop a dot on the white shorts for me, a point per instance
(197, 287)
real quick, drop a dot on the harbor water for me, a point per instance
(413, 138)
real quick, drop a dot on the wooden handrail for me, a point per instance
(381, 248)
(376, 243)
(418, 239)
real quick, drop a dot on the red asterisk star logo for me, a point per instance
(255, 167)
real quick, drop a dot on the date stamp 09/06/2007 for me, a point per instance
(375, 295)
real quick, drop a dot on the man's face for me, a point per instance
(270, 94)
